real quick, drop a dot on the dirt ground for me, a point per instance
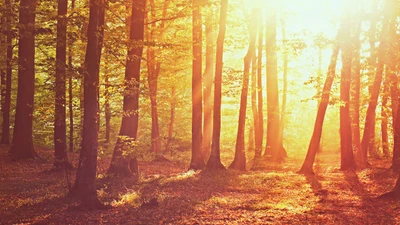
(169, 194)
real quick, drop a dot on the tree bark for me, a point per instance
(273, 145)
(385, 115)
(239, 162)
(259, 127)
(369, 126)
(197, 161)
(85, 183)
(207, 83)
(5, 137)
(346, 146)
(22, 145)
(60, 126)
(285, 88)
(70, 88)
(121, 164)
(214, 162)
(307, 167)
(356, 87)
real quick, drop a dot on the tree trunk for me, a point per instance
(197, 161)
(385, 115)
(214, 162)
(70, 88)
(172, 119)
(5, 137)
(285, 88)
(85, 183)
(356, 87)
(259, 127)
(153, 70)
(369, 126)
(307, 167)
(107, 108)
(60, 126)
(239, 162)
(346, 147)
(207, 83)
(22, 145)
(121, 164)
(273, 145)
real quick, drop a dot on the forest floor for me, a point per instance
(276, 194)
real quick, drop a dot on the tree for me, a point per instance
(356, 85)
(5, 136)
(259, 116)
(369, 126)
(60, 135)
(214, 162)
(346, 146)
(207, 83)
(121, 164)
(153, 70)
(239, 161)
(273, 145)
(307, 167)
(85, 183)
(197, 161)
(285, 88)
(22, 144)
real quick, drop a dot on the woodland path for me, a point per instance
(273, 195)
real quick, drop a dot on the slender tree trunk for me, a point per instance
(356, 83)
(369, 127)
(121, 164)
(259, 127)
(239, 162)
(197, 161)
(22, 145)
(273, 145)
(153, 69)
(107, 108)
(5, 137)
(70, 95)
(285, 88)
(172, 119)
(207, 83)
(346, 146)
(214, 162)
(307, 167)
(385, 115)
(85, 183)
(60, 126)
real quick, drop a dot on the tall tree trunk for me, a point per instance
(60, 126)
(369, 126)
(307, 167)
(197, 161)
(385, 115)
(346, 147)
(5, 137)
(22, 145)
(85, 183)
(273, 145)
(107, 108)
(356, 87)
(259, 127)
(207, 83)
(214, 162)
(153, 70)
(121, 164)
(239, 162)
(285, 88)
(172, 119)
(70, 88)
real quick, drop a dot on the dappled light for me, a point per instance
(200, 112)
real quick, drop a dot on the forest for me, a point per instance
(199, 112)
